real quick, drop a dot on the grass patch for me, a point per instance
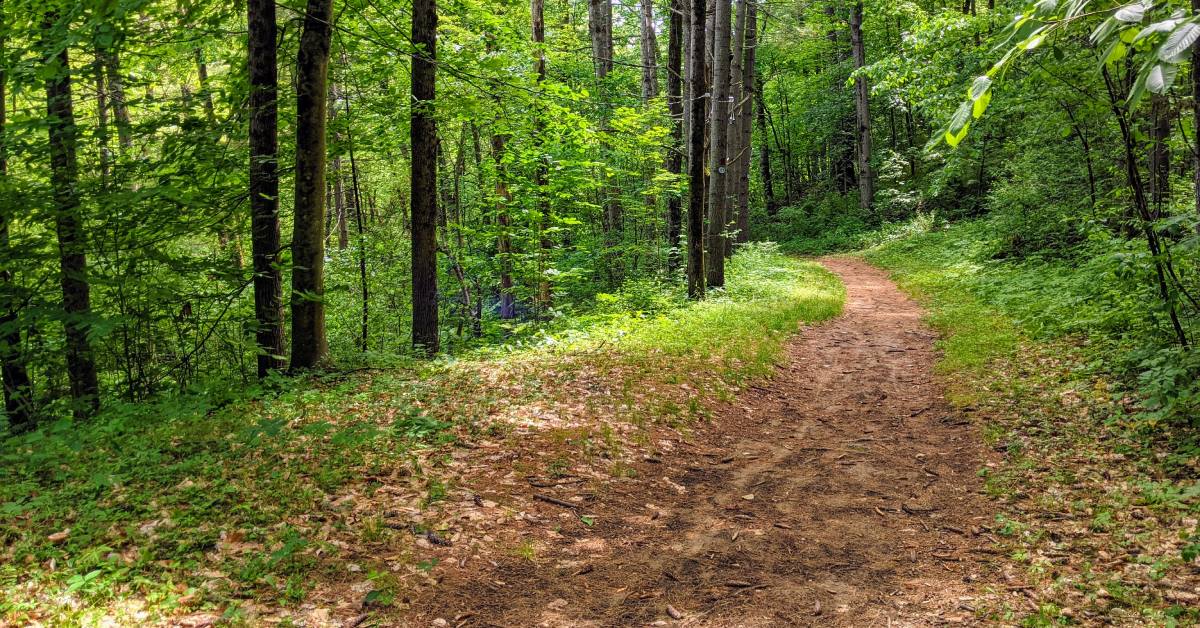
(255, 506)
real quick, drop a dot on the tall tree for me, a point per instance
(674, 161)
(309, 345)
(649, 44)
(424, 178)
(862, 106)
(537, 11)
(264, 185)
(745, 124)
(737, 93)
(696, 82)
(718, 157)
(600, 30)
(17, 385)
(72, 242)
(764, 155)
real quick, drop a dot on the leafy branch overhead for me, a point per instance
(1157, 37)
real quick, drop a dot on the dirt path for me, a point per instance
(842, 492)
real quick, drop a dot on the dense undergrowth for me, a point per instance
(237, 505)
(1062, 353)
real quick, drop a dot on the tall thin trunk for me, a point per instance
(1196, 117)
(718, 158)
(600, 30)
(264, 185)
(1160, 152)
(310, 348)
(675, 151)
(17, 385)
(72, 242)
(866, 178)
(649, 42)
(116, 89)
(363, 286)
(737, 92)
(696, 82)
(339, 204)
(504, 251)
(424, 178)
(545, 242)
(745, 122)
(764, 155)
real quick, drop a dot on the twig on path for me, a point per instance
(555, 501)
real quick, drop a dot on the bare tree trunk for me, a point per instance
(72, 243)
(17, 385)
(649, 43)
(1196, 116)
(339, 204)
(358, 216)
(764, 155)
(737, 92)
(546, 244)
(424, 179)
(600, 30)
(310, 348)
(674, 160)
(718, 201)
(862, 104)
(504, 251)
(745, 124)
(1160, 155)
(696, 82)
(116, 90)
(264, 185)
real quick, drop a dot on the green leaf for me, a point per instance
(981, 104)
(1116, 52)
(979, 87)
(1132, 12)
(1161, 77)
(1179, 43)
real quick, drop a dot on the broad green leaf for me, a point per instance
(1161, 77)
(1132, 13)
(979, 87)
(1179, 43)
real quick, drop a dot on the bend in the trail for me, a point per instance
(841, 492)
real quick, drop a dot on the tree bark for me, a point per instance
(17, 385)
(504, 251)
(718, 158)
(264, 185)
(310, 348)
(1160, 155)
(745, 124)
(674, 160)
(424, 179)
(649, 42)
(696, 82)
(866, 178)
(541, 173)
(764, 155)
(116, 89)
(1196, 117)
(600, 30)
(737, 91)
(72, 243)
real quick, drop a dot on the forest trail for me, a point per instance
(841, 492)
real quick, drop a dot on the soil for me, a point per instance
(841, 492)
